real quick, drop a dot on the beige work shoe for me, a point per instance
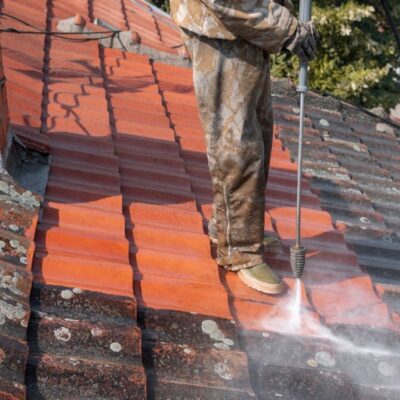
(261, 278)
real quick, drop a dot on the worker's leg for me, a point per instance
(265, 116)
(229, 79)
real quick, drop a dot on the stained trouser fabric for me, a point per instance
(232, 86)
(267, 24)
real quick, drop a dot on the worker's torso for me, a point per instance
(196, 17)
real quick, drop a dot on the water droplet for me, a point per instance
(228, 342)
(77, 290)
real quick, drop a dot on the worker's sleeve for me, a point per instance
(264, 23)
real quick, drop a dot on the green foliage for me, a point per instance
(358, 55)
(163, 4)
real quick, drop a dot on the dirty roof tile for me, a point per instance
(18, 219)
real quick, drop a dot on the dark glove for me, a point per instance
(304, 42)
(286, 3)
(289, 5)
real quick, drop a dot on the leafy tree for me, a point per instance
(358, 58)
(163, 4)
(358, 55)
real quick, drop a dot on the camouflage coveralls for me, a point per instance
(229, 42)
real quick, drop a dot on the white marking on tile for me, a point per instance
(63, 334)
(115, 347)
(223, 371)
(67, 294)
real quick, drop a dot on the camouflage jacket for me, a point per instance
(264, 23)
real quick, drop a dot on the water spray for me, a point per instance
(297, 251)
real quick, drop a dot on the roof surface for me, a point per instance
(127, 301)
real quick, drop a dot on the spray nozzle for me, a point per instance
(297, 260)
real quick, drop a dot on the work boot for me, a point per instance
(271, 243)
(261, 278)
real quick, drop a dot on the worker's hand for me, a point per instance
(304, 42)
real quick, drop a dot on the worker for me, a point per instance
(229, 43)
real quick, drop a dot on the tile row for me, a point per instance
(81, 264)
(334, 289)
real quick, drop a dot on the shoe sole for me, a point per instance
(268, 288)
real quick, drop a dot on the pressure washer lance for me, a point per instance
(297, 251)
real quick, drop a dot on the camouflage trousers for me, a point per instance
(232, 86)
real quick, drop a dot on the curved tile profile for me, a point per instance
(338, 298)
(176, 281)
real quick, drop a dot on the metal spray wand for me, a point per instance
(297, 251)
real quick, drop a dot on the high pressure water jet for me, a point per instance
(298, 251)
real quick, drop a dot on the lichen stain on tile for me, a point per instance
(210, 328)
(96, 332)
(63, 334)
(10, 194)
(223, 371)
(386, 369)
(13, 313)
(325, 359)
(115, 347)
(67, 294)
(11, 282)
